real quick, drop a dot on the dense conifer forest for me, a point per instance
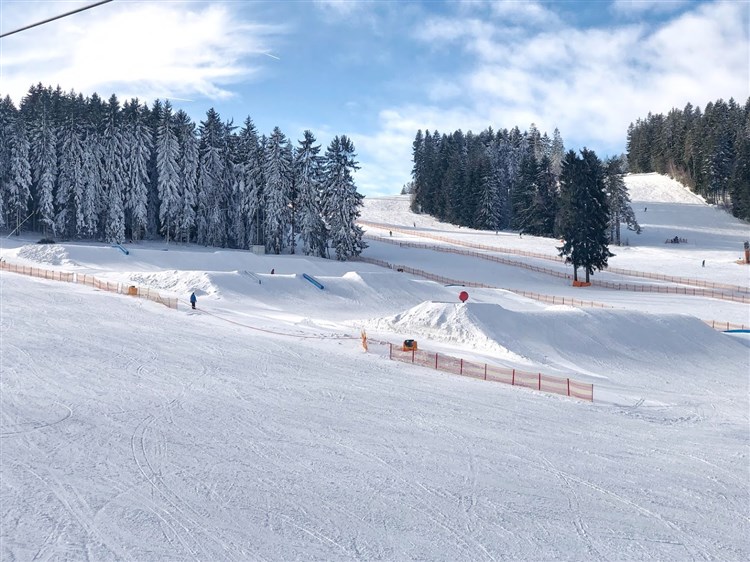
(708, 150)
(86, 168)
(524, 181)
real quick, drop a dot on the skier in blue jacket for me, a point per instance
(193, 300)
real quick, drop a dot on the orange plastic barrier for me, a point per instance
(737, 294)
(515, 377)
(91, 281)
(628, 272)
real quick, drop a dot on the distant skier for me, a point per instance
(645, 209)
(703, 264)
(193, 300)
(273, 271)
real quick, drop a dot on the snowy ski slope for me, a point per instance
(257, 428)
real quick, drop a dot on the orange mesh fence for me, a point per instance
(718, 325)
(37, 272)
(628, 272)
(91, 281)
(550, 299)
(515, 377)
(642, 288)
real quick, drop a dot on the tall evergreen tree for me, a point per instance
(8, 117)
(167, 156)
(541, 219)
(18, 186)
(341, 201)
(583, 218)
(618, 200)
(524, 192)
(278, 173)
(71, 184)
(44, 166)
(187, 170)
(137, 144)
(113, 173)
(213, 196)
(557, 153)
(308, 173)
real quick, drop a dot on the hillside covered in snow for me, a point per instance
(258, 428)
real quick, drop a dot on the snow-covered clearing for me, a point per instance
(257, 428)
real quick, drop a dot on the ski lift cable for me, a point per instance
(55, 18)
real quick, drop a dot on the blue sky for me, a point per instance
(378, 71)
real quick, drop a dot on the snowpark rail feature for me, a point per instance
(91, 281)
(122, 249)
(483, 371)
(314, 281)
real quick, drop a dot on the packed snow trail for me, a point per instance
(131, 433)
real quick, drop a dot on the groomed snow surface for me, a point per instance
(257, 428)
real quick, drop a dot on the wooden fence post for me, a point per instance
(461, 368)
(568, 387)
(485, 371)
(513, 378)
(390, 351)
(540, 381)
(436, 361)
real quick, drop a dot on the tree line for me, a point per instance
(708, 150)
(524, 181)
(84, 168)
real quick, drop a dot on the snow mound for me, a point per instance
(52, 254)
(660, 189)
(455, 323)
(179, 282)
(620, 345)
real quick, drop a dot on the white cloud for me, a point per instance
(340, 8)
(590, 83)
(638, 7)
(169, 49)
(526, 13)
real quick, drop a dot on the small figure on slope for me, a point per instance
(193, 300)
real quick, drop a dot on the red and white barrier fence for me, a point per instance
(536, 381)
(91, 281)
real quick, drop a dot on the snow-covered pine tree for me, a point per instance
(152, 207)
(489, 212)
(8, 114)
(188, 175)
(618, 199)
(167, 155)
(544, 201)
(278, 173)
(43, 150)
(308, 173)
(252, 170)
(557, 153)
(92, 201)
(138, 144)
(341, 202)
(524, 191)
(70, 182)
(583, 218)
(500, 156)
(113, 173)
(211, 218)
(18, 192)
(534, 140)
